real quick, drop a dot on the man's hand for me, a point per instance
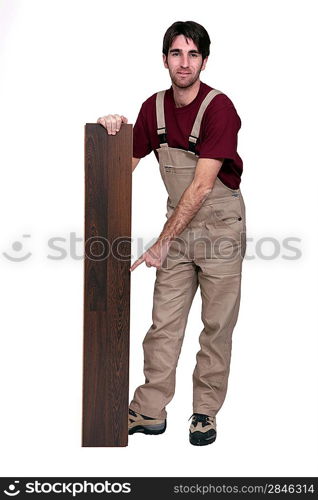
(112, 123)
(154, 256)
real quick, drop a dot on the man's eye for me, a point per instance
(177, 54)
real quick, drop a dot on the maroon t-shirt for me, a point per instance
(218, 132)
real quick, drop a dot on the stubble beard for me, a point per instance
(189, 83)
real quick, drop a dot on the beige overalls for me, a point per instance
(209, 253)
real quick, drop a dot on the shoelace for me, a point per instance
(198, 417)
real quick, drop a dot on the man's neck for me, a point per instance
(182, 97)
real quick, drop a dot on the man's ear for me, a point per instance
(204, 63)
(164, 58)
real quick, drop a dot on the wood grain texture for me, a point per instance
(106, 286)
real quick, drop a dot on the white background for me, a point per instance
(64, 64)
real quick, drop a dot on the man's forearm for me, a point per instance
(134, 163)
(189, 204)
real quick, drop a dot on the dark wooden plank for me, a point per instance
(106, 286)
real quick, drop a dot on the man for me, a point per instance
(192, 130)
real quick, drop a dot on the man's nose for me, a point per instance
(184, 61)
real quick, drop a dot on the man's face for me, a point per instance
(184, 62)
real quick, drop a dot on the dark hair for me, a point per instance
(189, 29)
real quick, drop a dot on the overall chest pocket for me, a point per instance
(184, 170)
(176, 180)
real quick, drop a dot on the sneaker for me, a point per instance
(146, 425)
(202, 429)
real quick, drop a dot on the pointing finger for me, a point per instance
(137, 263)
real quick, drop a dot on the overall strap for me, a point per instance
(197, 122)
(161, 125)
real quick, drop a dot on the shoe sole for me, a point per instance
(198, 439)
(154, 429)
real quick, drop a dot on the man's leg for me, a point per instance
(175, 287)
(220, 307)
(219, 275)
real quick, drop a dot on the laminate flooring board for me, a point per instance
(108, 173)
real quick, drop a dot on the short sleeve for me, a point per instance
(141, 141)
(219, 133)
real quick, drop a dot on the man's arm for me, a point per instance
(192, 199)
(134, 163)
(189, 204)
